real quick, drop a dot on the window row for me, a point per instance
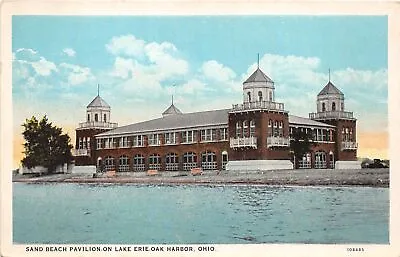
(170, 138)
(315, 134)
(96, 117)
(333, 107)
(169, 162)
(84, 143)
(245, 129)
(260, 97)
(347, 134)
(275, 128)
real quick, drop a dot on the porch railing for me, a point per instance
(243, 142)
(278, 141)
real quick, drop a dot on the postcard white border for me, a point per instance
(242, 7)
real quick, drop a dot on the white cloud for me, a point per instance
(77, 74)
(166, 64)
(28, 50)
(193, 86)
(144, 67)
(69, 51)
(127, 45)
(44, 67)
(216, 71)
(123, 68)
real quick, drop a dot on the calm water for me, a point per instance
(144, 214)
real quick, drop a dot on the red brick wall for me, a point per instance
(261, 119)
(163, 150)
(345, 155)
(83, 160)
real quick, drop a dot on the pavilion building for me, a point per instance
(252, 135)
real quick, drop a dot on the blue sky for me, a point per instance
(59, 60)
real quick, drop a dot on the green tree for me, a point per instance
(300, 144)
(45, 144)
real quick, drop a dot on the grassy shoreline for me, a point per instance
(307, 177)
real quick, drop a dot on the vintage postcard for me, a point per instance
(199, 129)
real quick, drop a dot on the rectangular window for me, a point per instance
(98, 143)
(80, 143)
(223, 134)
(123, 142)
(188, 136)
(88, 143)
(170, 138)
(138, 141)
(154, 139)
(208, 135)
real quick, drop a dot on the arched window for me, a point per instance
(238, 129)
(260, 97)
(96, 117)
(245, 128)
(88, 117)
(155, 162)
(323, 107)
(249, 96)
(123, 164)
(276, 130)
(208, 161)
(281, 129)
(189, 161)
(252, 128)
(224, 159)
(269, 128)
(109, 163)
(105, 117)
(333, 106)
(138, 163)
(171, 162)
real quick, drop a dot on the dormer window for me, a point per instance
(249, 96)
(260, 97)
(96, 117)
(88, 117)
(323, 107)
(333, 106)
(105, 117)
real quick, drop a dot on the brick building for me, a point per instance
(253, 135)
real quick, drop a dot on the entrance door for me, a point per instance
(224, 159)
(320, 160)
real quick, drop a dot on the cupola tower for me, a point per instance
(98, 115)
(259, 128)
(331, 110)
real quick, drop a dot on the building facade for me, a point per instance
(252, 135)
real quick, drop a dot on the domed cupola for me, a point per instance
(258, 87)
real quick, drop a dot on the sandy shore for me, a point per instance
(309, 177)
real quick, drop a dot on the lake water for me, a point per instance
(190, 214)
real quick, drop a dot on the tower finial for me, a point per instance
(258, 60)
(329, 72)
(98, 89)
(173, 91)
